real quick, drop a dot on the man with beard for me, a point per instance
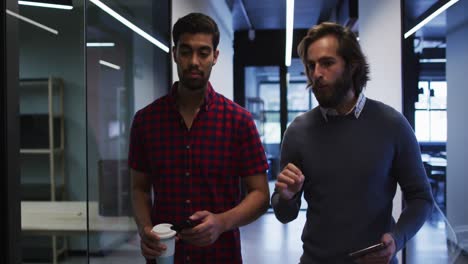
(193, 147)
(347, 156)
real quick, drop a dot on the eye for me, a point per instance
(184, 52)
(327, 63)
(311, 66)
(204, 54)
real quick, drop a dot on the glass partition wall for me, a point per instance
(85, 68)
(52, 130)
(438, 53)
(127, 59)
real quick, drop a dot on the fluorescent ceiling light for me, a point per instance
(433, 60)
(100, 44)
(289, 31)
(110, 65)
(39, 4)
(430, 17)
(32, 22)
(130, 25)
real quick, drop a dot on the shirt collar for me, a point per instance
(357, 108)
(209, 96)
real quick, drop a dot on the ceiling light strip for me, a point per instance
(244, 12)
(429, 18)
(433, 60)
(130, 25)
(289, 31)
(32, 22)
(110, 65)
(39, 4)
(100, 44)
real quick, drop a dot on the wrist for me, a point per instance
(142, 229)
(285, 196)
(225, 221)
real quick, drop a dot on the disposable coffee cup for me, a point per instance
(167, 237)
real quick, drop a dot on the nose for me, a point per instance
(317, 72)
(194, 60)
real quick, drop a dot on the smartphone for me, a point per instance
(367, 250)
(183, 225)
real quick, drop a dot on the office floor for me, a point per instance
(268, 241)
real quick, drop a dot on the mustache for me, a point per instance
(193, 70)
(317, 82)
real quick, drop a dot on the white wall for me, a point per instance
(380, 38)
(457, 111)
(222, 74)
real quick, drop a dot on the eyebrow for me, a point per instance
(325, 58)
(186, 46)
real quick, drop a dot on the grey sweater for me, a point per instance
(352, 167)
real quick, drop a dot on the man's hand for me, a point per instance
(383, 256)
(150, 246)
(207, 232)
(289, 181)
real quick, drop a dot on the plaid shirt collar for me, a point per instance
(357, 108)
(207, 103)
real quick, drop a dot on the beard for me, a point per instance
(194, 83)
(335, 93)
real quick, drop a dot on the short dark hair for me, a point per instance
(348, 48)
(196, 23)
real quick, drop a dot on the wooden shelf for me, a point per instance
(41, 151)
(40, 82)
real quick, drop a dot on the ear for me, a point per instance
(215, 56)
(174, 53)
(353, 68)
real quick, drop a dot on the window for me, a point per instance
(431, 111)
(300, 100)
(270, 93)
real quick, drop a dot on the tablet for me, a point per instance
(367, 250)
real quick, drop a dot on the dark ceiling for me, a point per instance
(434, 30)
(271, 14)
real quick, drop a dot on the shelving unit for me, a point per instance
(52, 89)
(42, 134)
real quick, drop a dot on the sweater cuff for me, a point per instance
(278, 201)
(399, 241)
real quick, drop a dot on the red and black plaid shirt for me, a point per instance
(197, 169)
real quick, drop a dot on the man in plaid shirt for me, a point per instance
(193, 148)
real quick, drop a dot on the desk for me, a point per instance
(434, 162)
(436, 170)
(60, 217)
(68, 218)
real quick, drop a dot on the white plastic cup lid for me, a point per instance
(164, 231)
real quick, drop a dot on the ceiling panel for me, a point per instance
(271, 14)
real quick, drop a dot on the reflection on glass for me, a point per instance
(52, 133)
(121, 79)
